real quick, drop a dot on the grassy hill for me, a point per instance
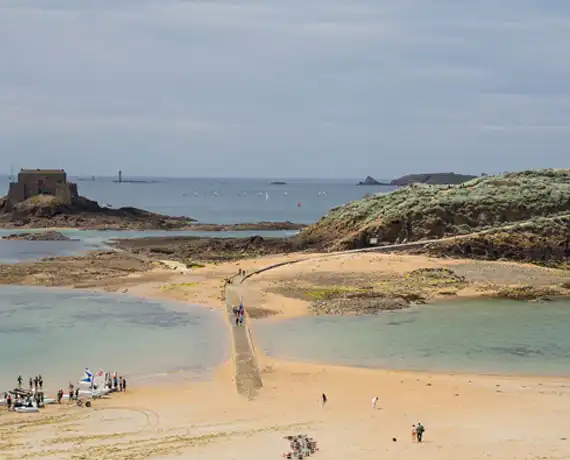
(422, 211)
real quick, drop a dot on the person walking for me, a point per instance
(420, 432)
(324, 397)
(124, 384)
(9, 401)
(414, 433)
(41, 382)
(374, 401)
(31, 382)
(19, 381)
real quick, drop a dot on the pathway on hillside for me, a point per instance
(247, 375)
(396, 247)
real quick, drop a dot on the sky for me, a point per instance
(274, 88)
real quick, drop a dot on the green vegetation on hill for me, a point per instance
(421, 211)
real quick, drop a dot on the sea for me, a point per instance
(57, 333)
(468, 336)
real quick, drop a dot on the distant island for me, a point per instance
(422, 178)
(277, 182)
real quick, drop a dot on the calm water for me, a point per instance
(473, 336)
(57, 333)
(227, 200)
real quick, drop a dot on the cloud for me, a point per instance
(327, 87)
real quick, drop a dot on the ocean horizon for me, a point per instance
(225, 200)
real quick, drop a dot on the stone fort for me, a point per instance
(34, 182)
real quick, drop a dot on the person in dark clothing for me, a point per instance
(36, 382)
(237, 320)
(124, 384)
(41, 382)
(9, 402)
(324, 399)
(420, 431)
(19, 381)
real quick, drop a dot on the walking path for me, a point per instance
(247, 375)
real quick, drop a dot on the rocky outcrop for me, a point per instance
(422, 211)
(48, 235)
(188, 249)
(253, 226)
(48, 211)
(369, 180)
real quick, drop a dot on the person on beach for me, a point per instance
(241, 319)
(70, 392)
(414, 433)
(19, 381)
(420, 432)
(59, 395)
(120, 383)
(36, 382)
(374, 401)
(237, 320)
(41, 382)
(124, 384)
(76, 393)
(324, 399)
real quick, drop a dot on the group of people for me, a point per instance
(417, 430)
(23, 400)
(301, 446)
(238, 314)
(117, 383)
(35, 383)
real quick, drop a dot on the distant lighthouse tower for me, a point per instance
(120, 176)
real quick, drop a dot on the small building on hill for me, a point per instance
(34, 182)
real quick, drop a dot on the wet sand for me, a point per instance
(466, 416)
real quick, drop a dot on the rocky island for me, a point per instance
(424, 178)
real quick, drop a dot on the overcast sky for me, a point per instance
(310, 88)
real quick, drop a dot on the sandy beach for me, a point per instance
(466, 416)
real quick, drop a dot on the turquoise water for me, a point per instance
(59, 332)
(470, 336)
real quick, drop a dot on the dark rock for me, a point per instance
(48, 235)
(369, 180)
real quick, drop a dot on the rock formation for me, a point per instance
(48, 235)
(369, 180)
(43, 211)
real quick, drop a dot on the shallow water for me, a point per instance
(59, 332)
(466, 336)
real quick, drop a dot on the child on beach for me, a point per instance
(414, 433)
